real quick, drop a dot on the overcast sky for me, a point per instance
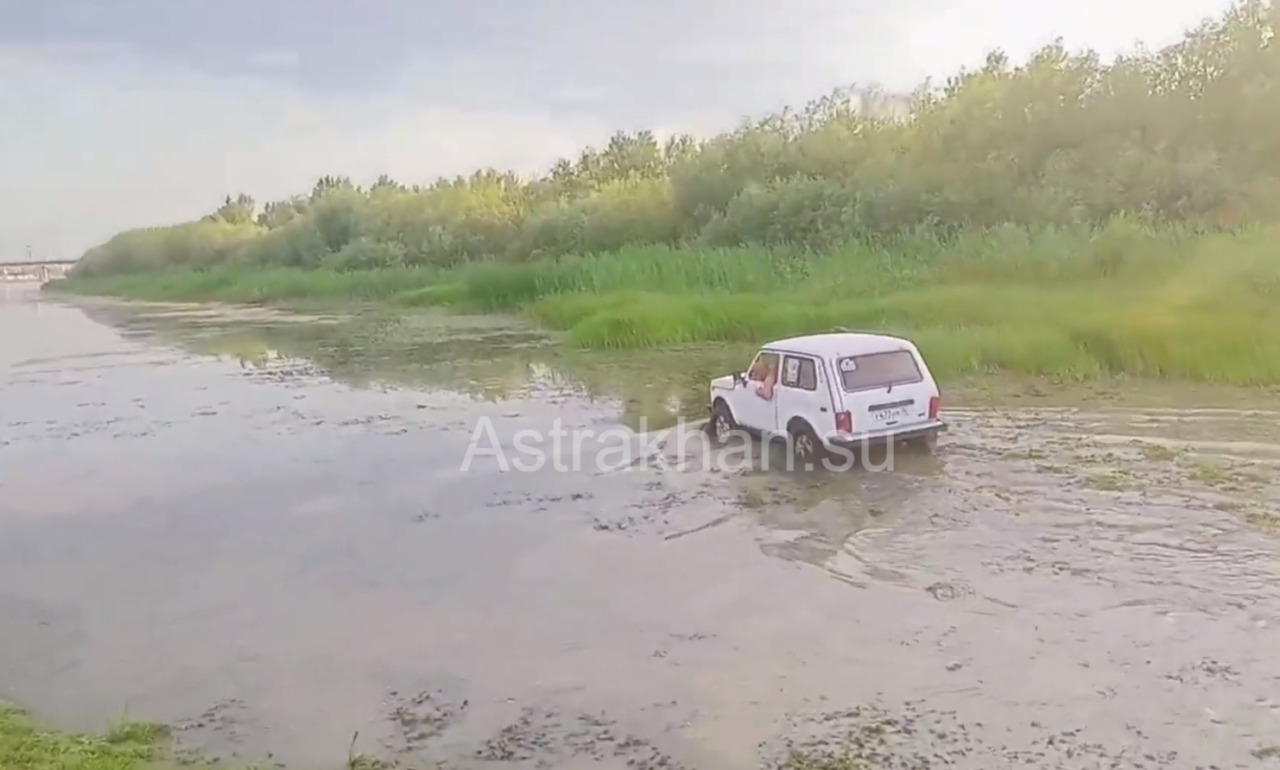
(125, 113)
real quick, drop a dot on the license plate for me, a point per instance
(888, 415)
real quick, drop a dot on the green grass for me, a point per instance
(25, 746)
(127, 745)
(1066, 303)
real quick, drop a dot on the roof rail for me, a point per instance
(873, 332)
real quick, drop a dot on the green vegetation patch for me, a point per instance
(1205, 311)
(25, 746)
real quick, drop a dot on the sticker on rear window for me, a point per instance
(848, 365)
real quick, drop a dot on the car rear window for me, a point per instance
(878, 370)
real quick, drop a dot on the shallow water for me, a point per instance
(258, 527)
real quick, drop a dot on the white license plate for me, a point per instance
(885, 416)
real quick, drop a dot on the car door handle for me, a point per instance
(822, 409)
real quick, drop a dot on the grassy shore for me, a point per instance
(1068, 303)
(26, 746)
(127, 745)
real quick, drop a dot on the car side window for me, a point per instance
(799, 373)
(808, 374)
(764, 364)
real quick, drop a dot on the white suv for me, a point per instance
(831, 390)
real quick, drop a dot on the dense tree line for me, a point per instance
(1187, 134)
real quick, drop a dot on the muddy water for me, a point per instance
(259, 528)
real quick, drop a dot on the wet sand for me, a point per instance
(259, 529)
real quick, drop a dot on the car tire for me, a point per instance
(721, 425)
(928, 442)
(805, 445)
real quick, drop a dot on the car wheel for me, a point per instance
(722, 425)
(805, 445)
(928, 443)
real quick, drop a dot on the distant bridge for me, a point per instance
(41, 271)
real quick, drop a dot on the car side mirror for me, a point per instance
(739, 379)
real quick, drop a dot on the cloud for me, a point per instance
(143, 112)
(99, 151)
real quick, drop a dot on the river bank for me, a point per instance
(26, 746)
(1064, 304)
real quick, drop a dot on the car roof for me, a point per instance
(833, 344)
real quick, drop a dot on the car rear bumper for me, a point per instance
(886, 436)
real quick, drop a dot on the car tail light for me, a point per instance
(934, 404)
(844, 422)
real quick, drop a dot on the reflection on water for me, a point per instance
(484, 357)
